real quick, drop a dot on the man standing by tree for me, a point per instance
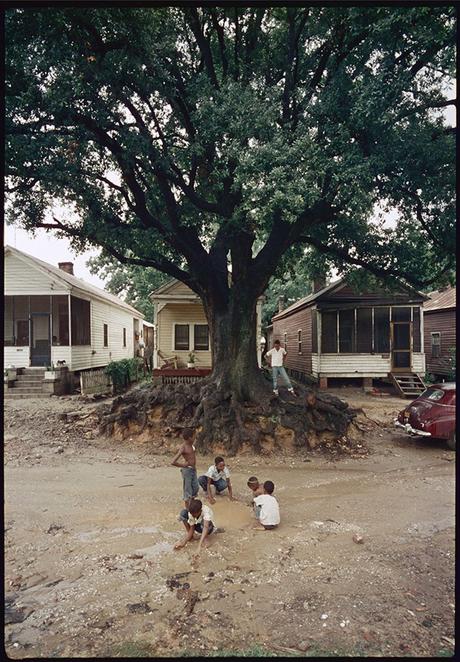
(277, 354)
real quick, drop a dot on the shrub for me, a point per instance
(123, 372)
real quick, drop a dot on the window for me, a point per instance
(435, 345)
(329, 332)
(106, 335)
(60, 317)
(124, 337)
(364, 330)
(201, 337)
(80, 316)
(346, 331)
(416, 337)
(314, 332)
(181, 337)
(285, 341)
(299, 341)
(433, 394)
(382, 330)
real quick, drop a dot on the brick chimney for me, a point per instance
(318, 284)
(281, 303)
(67, 267)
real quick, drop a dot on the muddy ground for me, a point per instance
(90, 525)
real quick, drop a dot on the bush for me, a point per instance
(123, 372)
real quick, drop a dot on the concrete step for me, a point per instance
(26, 389)
(28, 379)
(24, 396)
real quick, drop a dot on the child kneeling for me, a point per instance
(266, 508)
(196, 519)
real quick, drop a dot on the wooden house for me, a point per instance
(439, 323)
(182, 328)
(53, 318)
(338, 332)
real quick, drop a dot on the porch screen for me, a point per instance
(400, 314)
(382, 329)
(81, 325)
(16, 321)
(314, 332)
(364, 330)
(416, 338)
(201, 340)
(346, 331)
(60, 313)
(181, 337)
(329, 332)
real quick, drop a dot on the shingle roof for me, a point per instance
(441, 299)
(75, 282)
(306, 300)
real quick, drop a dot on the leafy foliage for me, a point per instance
(123, 372)
(177, 136)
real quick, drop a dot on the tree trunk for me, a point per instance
(233, 336)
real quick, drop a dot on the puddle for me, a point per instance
(159, 548)
(97, 534)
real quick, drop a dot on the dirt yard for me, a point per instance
(90, 525)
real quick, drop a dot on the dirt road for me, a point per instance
(90, 526)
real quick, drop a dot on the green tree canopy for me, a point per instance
(188, 139)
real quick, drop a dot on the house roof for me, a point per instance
(72, 281)
(311, 298)
(440, 300)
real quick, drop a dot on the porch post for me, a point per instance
(70, 325)
(422, 332)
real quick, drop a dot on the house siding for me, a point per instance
(291, 325)
(183, 313)
(444, 322)
(23, 279)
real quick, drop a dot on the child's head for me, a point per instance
(220, 463)
(187, 434)
(269, 487)
(195, 507)
(253, 483)
(277, 344)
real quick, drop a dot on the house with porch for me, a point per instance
(52, 318)
(181, 329)
(337, 332)
(439, 322)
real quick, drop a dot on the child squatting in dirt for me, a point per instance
(196, 519)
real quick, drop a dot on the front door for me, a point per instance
(401, 345)
(40, 341)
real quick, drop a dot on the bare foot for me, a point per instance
(219, 530)
(179, 545)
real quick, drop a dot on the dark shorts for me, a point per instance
(220, 484)
(190, 482)
(269, 527)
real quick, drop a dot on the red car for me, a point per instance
(432, 414)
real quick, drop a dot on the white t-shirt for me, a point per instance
(277, 356)
(206, 514)
(270, 511)
(213, 474)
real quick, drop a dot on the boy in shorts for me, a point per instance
(255, 487)
(217, 479)
(188, 467)
(197, 518)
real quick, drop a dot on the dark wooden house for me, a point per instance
(338, 332)
(440, 332)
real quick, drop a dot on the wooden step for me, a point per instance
(409, 384)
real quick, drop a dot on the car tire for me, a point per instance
(451, 441)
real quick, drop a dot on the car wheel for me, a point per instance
(451, 441)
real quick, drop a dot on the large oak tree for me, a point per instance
(208, 143)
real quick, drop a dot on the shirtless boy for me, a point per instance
(188, 467)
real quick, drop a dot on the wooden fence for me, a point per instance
(95, 381)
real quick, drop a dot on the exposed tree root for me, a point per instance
(225, 425)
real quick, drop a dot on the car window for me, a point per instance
(433, 394)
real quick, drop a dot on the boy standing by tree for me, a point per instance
(217, 477)
(188, 467)
(276, 355)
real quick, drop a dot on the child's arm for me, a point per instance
(187, 538)
(230, 491)
(210, 497)
(175, 463)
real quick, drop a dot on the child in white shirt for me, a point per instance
(267, 509)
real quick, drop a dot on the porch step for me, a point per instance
(26, 389)
(409, 384)
(11, 395)
(29, 379)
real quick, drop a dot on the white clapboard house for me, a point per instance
(52, 318)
